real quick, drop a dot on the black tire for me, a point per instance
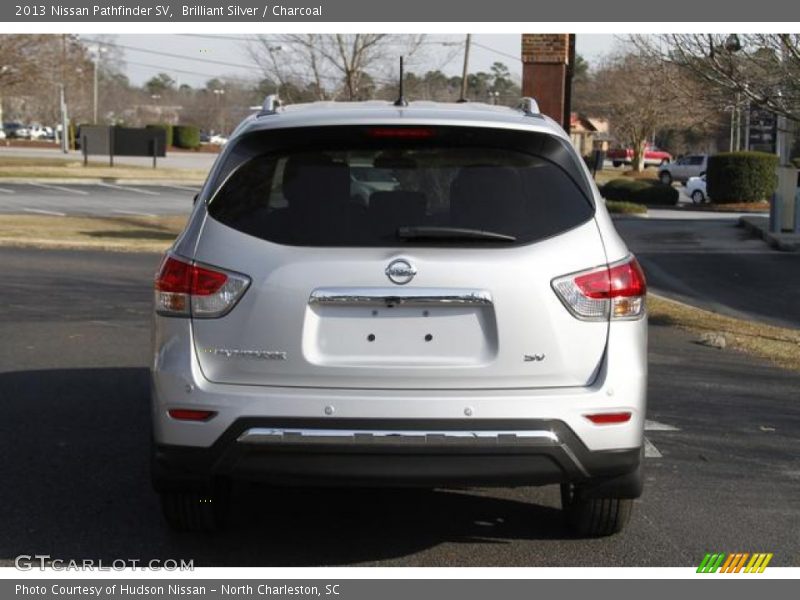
(594, 517)
(665, 177)
(616, 163)
(698, 197)
(195, 511)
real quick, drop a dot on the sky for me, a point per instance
(195, 58)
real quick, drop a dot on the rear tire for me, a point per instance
(594, 517)
(665, 177)
(617, 163)
(194, 510)
(698, 197)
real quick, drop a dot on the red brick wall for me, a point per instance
(545, 58)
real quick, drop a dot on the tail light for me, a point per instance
(616, 291)
(185, 288)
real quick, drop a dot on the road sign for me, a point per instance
(763, 130)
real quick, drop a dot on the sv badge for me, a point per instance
(533, 357)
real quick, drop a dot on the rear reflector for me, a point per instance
(184, 288)
(182, 414)
(407, 133)
(609, 418)
(616, 291)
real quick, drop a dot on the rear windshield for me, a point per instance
(346, 186)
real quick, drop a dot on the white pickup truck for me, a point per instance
(691, 165)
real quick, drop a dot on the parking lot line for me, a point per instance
(59, 188)
(42, 211)
(656, 426)
(133, 212)
(650, 451)
(129, 189)
(180, 187)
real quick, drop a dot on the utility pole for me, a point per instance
(94, 99)
(738, 122)
(463, 97)
(63, 99)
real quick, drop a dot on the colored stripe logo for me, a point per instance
(738, 562)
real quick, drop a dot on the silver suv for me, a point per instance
(479, 323)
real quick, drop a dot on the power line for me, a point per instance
(500, 52)
(163, 69)
(209, 61)
(209, 36)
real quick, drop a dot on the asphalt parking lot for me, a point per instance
(712, 263)
(98, 199)
(722, 475)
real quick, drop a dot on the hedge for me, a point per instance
(741, 176)
(167, 130)
(186, 136)
(640, 191)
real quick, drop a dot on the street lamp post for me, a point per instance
(219, 93)
(96, 53)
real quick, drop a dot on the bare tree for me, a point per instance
(34, 67)
(334, 65)
(18, 59)
(763, 68)
(640, 96)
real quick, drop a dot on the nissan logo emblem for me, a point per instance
(400, 271)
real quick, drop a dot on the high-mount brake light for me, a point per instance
(184, 288)
(616, 291)
(404, 133)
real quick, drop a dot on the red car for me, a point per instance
(652, 156)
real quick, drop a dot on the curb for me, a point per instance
(786, 242)
(99, 180)
(628, 216)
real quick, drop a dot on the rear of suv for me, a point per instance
(479, 322)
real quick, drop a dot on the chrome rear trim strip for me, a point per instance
(268, 435)
(394, 296)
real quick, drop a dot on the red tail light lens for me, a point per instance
(184, 414)
(609, 418)
(617, 291)
(184, 288)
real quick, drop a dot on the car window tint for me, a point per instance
(335, 193)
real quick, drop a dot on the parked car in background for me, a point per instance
(481, 323)
(366, 180)
(652, 156)
(2, 134)
(40, 132)
(218, 139)
(691, 165)
(16, 130)
(696, 189)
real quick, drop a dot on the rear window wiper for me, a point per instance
(451, 233)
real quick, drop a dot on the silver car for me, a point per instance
(479, 324)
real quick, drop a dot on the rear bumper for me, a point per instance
(436, 453)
